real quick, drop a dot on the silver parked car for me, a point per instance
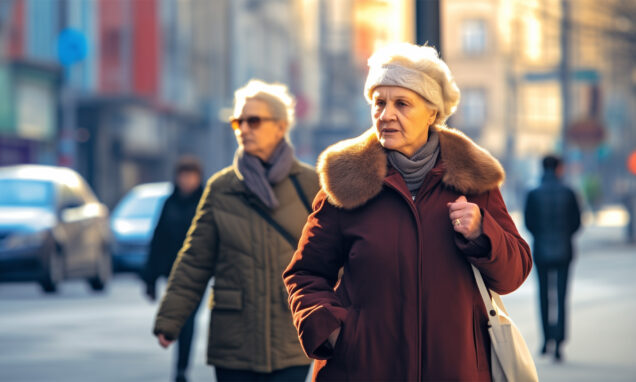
(133, 223)
(52, 228)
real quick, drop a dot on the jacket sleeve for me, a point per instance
(500, 253)
(574, 213)
(191, 271)
(311, 277)
(151, 271)
(529, 213)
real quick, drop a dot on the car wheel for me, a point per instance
(54, 271)
(103, 273)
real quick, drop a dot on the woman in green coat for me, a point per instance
(244, 234)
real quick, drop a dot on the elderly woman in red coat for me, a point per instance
(404, 210)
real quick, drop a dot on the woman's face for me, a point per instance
(401, 118)
(258, 139)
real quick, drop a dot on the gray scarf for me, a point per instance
(414, 169)
(259, 176)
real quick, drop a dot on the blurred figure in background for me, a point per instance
(170, 232)
(244, 234)
(552, 215)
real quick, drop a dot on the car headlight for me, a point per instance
(31, 239)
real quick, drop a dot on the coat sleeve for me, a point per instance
(311, 277)
(530, 214)
(191, 271)
(574, 213)
(500, 253)
(151, 270)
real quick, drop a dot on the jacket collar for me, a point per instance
(353, 171)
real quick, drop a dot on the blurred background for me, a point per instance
(119, 89)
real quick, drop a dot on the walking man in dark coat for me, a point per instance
(170, 232)
(552, 215)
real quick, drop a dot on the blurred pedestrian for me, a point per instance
(405, 208)
(552, 215)
(244, 234)
(170, 232)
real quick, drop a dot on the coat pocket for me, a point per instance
(227, 329)
(228, 299)
(347, 338)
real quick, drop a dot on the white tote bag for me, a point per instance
(511, 360)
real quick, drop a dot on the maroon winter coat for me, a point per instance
(407, 302)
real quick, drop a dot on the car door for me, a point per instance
(73, 224)
(94, 227)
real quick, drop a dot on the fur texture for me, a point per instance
(353, 171)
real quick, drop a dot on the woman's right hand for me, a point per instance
(333, 337)
(163, 341)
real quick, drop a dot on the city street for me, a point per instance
(81, 336)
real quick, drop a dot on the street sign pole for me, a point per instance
(564, 75)
(427, 23)
(71, 48)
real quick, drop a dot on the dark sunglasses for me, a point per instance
(253, 122)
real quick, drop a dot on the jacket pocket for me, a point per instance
(347, 338)
(228, 299)
(227, 329)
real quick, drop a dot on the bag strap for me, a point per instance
(270, 220)
(483, 291)
(300, 192)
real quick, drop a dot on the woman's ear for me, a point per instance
(282, 125)
(432, 119)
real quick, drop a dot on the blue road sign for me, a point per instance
(72, 46)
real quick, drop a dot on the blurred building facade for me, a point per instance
(158, 76)
(115, 114)
(541, 76)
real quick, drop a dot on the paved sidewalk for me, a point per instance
(602, 308)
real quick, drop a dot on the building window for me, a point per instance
(473, 37)
(473, 108)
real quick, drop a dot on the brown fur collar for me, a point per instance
(353, 171)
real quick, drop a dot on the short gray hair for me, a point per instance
(276, 96)
(417, 68)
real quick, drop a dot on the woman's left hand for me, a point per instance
(465, 217)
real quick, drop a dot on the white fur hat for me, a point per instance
(417, 68)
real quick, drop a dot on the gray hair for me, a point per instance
(417, 68)
(276, 96)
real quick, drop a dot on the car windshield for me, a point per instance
(135, 207)
(26, 193)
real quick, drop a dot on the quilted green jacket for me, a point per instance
(251, 325)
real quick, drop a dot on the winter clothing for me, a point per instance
(407, 303)
(250, 326)
(414, 169)
(184, 344)
(258, 175)
(552, 215)
(417, 68)
(172, 227)
(547, 286)
(289, 374)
